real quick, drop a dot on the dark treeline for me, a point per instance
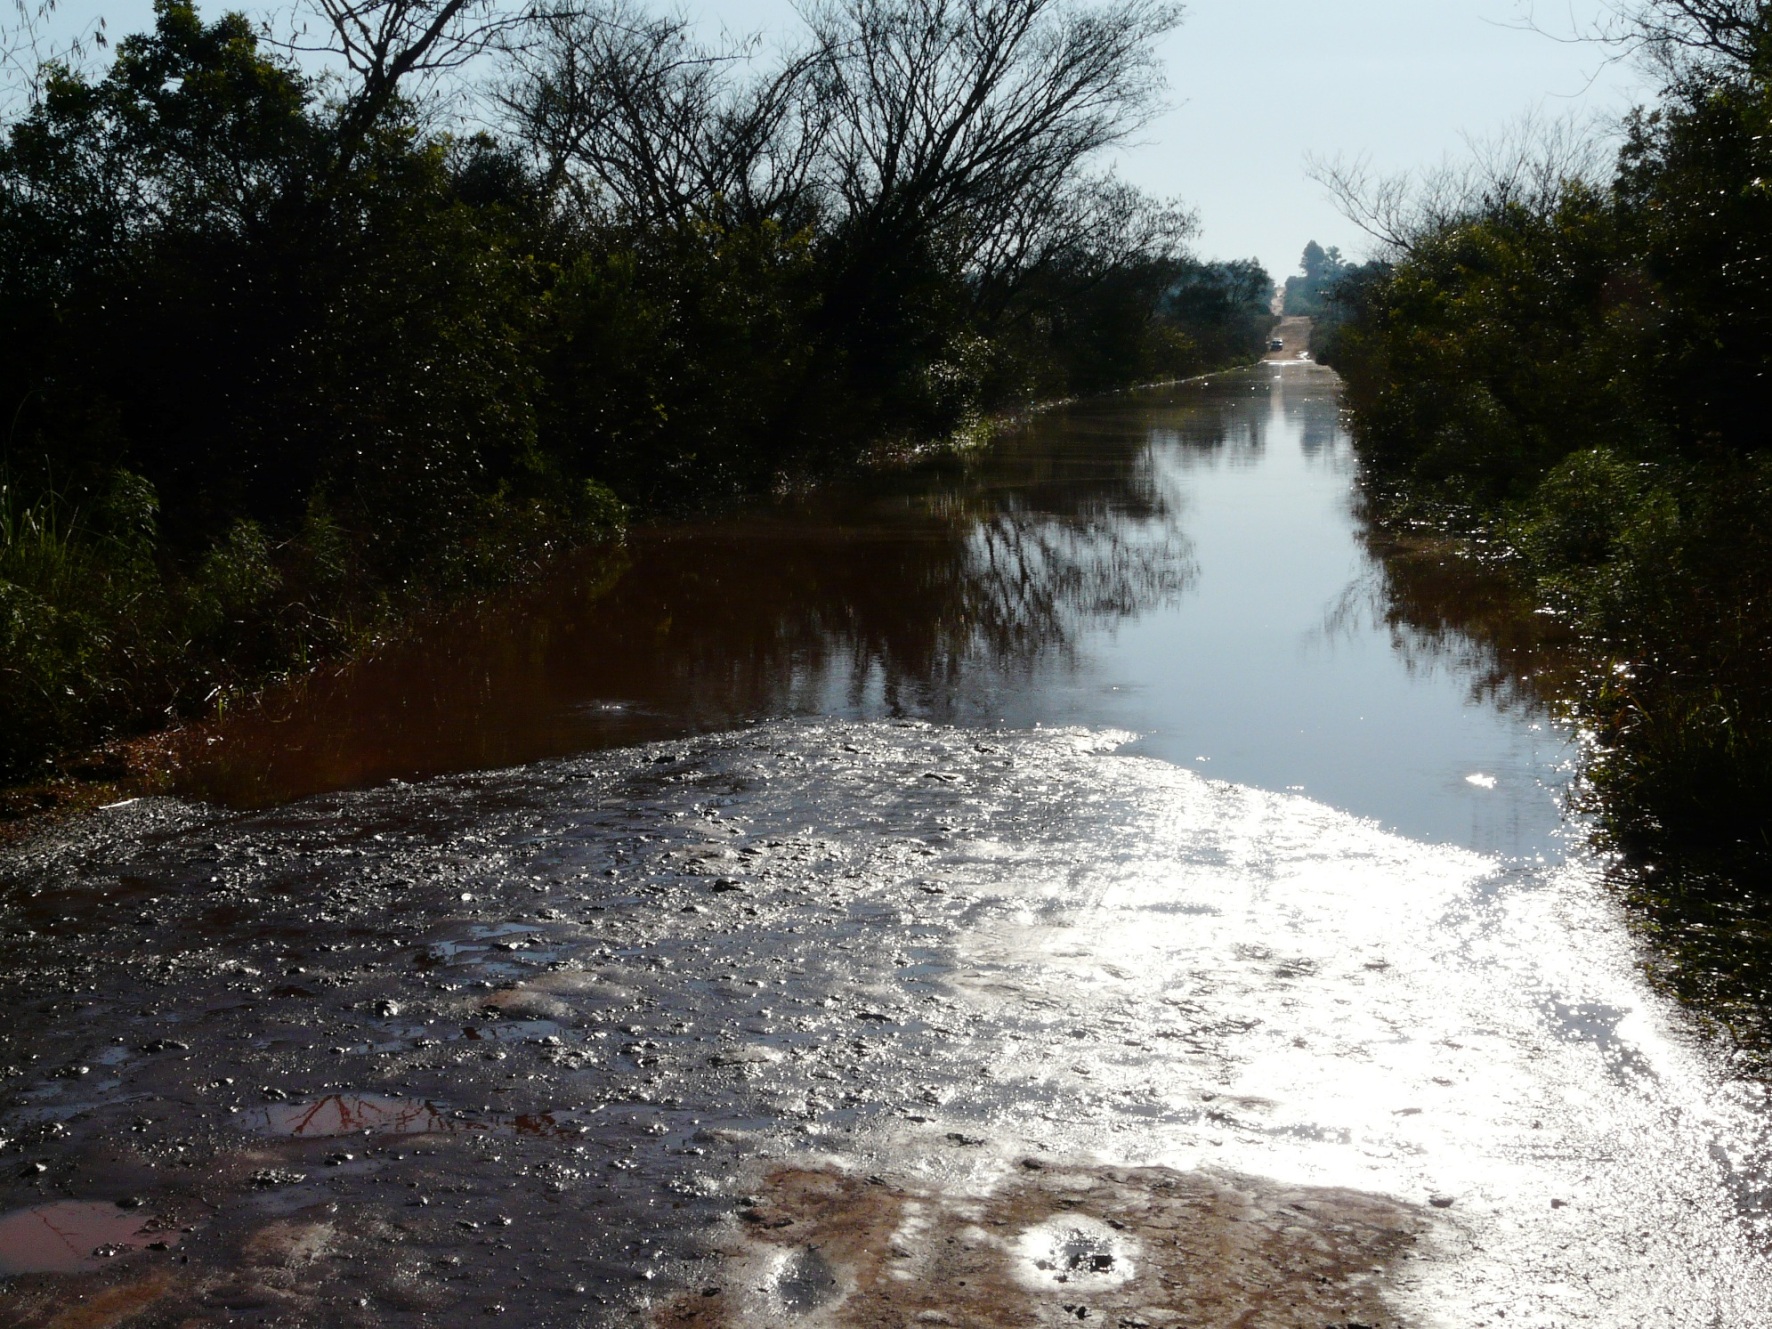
(285, 362)
(1567, 362)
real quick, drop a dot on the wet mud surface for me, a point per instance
(841, 1023)
(1057, 1246)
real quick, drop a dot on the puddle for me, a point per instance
(1182, 563)
(352, 1114)
(72, 1236)
(804, 1281)
(377, 1114)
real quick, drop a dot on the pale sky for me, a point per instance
(1255, 85)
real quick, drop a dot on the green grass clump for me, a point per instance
(82, 629)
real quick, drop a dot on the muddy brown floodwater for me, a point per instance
(1061, 889)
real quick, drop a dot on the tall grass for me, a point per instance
(80, 625)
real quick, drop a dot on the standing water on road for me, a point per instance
(1184, 564)
(1063, 889)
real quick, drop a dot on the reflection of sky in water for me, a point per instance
(1180, 562)
(68, 1236)
(1245, 673)
(1259, 670)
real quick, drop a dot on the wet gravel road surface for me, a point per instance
(849, 1023)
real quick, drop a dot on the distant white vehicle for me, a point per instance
(1275, 344)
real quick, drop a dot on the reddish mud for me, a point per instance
(1056, 1245)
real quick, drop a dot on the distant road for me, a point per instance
(1296, 334)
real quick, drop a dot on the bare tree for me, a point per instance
(1530, 164)
(650, 125)
(959, 117)
(388, 47)
(1084, 231)
(1679, 34)
(29, 49)
(970, 121)
(1676, 38)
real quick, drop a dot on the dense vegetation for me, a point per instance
(286, 363)
(1571, 369)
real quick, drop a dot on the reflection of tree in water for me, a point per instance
(991, 573)
(890, 602)
(1447, 613)
(1322, 427)
(379, 1114)
(1224, 430)
(1228, 435)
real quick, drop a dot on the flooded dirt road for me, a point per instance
(1060, 891)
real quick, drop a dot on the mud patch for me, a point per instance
(1056, 1245)
(113, 1306)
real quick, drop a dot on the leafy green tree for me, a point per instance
(1308, 293)
(342, 366)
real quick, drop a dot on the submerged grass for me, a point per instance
(1660, 574)
(1664, 570)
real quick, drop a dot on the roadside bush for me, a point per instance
(1574, 374)
(83, 631)
(1584, 514)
